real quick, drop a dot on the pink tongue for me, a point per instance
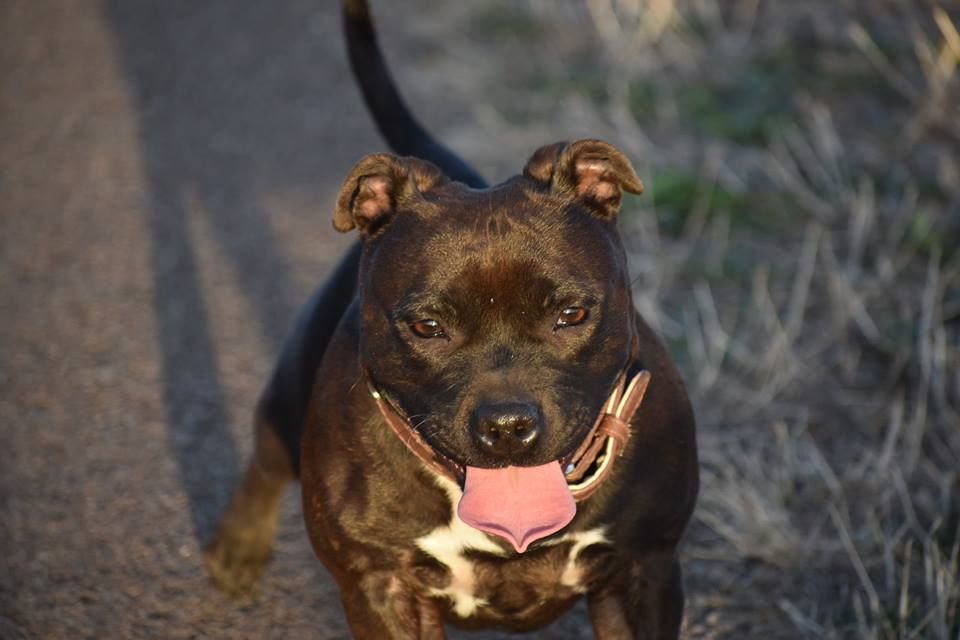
(520, 504)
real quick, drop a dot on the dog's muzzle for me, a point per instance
(585, 469)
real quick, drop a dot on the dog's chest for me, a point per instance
(484, 580)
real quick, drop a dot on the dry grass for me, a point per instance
(800, 255)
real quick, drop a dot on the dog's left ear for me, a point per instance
(380, 185)
(592, 172)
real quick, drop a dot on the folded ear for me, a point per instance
(590, 171)
(378, 186)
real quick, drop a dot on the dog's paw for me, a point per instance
(236, 562)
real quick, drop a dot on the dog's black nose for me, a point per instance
(506, 430)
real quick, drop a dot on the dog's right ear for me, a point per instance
(380, 185)
(592, 172)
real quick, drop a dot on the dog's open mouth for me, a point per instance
(524, 504)
(520, 504)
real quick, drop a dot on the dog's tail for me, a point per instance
(403, 133)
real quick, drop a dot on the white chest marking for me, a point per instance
(447, 545)
(572, 575)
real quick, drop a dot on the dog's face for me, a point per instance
(496, 320)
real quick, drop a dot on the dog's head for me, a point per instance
(497, 320)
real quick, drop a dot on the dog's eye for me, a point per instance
(571, 317)
(428, 328)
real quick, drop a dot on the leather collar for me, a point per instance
(585, 469)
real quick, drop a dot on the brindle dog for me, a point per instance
(455, 400)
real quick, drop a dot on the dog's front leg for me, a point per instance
(642, 601)
(381, 607)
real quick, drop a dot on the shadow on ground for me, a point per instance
(207, 100)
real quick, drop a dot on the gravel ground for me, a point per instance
(166, 174)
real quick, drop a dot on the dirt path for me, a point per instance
(166, 171)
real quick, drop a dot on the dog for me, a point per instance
(484, 428)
